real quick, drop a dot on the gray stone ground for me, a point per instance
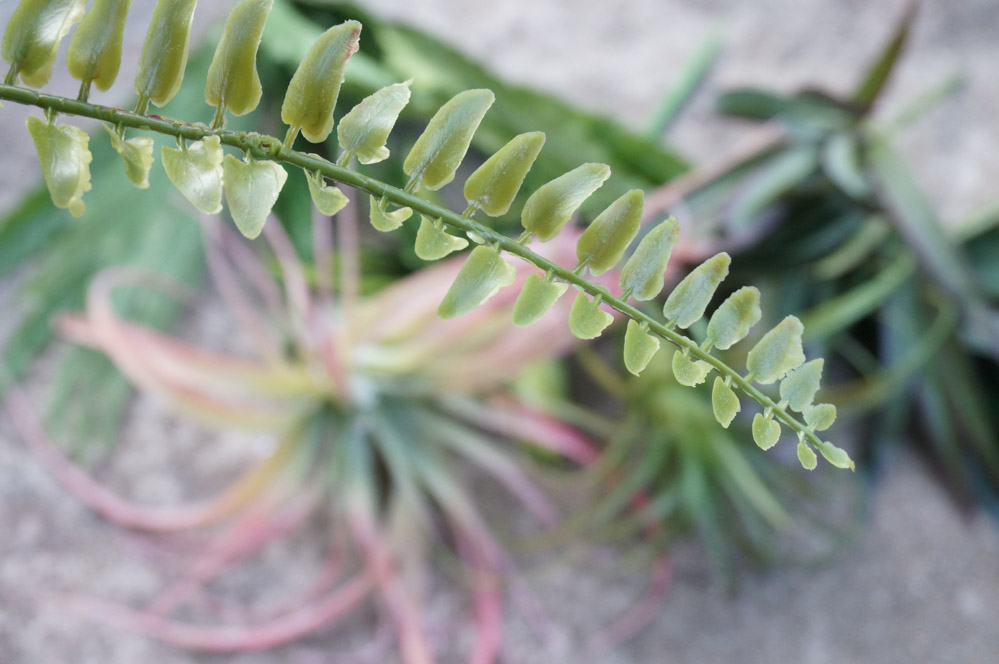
(922, 582)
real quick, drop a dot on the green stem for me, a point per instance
(268, 147)
(84, 91)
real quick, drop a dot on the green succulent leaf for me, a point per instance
(689, 371)
(586, 319)
(439, 150)
(494, 184)
(65, 158)
(481, 277)
(327, 198)
(164, 53)
(196, 171)
(233, 82)
(549, 208)
(311, 97)
(820, 416)
(536, 297)
(806, 455)
(643, 274)
(363, 131)
(386, 221)
(95, 48)
(734, 318)
(604, 241)
(835, 456)
(136, 154)
(433, 242)
(724, 402)
(639, 347)
(766, 431)
(251, 189)
(778, 352)
(800, 386)
(687, 302)
(32, 37)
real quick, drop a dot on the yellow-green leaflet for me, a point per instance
(820, 416)
(328, 199)
(689, 371)
(724, 402)
(385, 221)
(639, 347)
(766, 431)
(137, 155)
(439, 150)
(536, 297)
(586, 319)
(806, 455)
(800, 386)
(433, 243)
(251, 189)
(643, 274)
(835, 456)
(603, 242)
(687, 302)
(65, 160)
(32, 37)
(366, 127)
(481, 277)
(549, 208)
(95, 48)
(734, 318)
(197, 172)
(494, 184)
(311, 96)
(164, 53)
(777, 352)
(233, 82)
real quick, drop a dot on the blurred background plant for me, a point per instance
(824, 218)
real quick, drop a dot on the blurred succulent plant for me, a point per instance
(370, 403)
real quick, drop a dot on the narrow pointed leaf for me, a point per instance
(433, 242)
(687, 302)
(164, 53)
(734, 318)
(778, 352)
(806, 455)
(644, 272)
(136, 154)
(836, 456)
(766, 431)
(586, 319)
(603, 242)
(32, 37)
(800, 386)
(553, 204)
(689, 371)
(536, 297)
(95, 48)
(494, 184)
(724, 402)
(386, 221)
(233, 82)
(439, 150)
(197, 172)
(481, 277)
(327, 198)
(639, 347)
(820, 416)
(251, 189)
(363, 131)
(842, 163)
(65, 159)
(311, 96)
